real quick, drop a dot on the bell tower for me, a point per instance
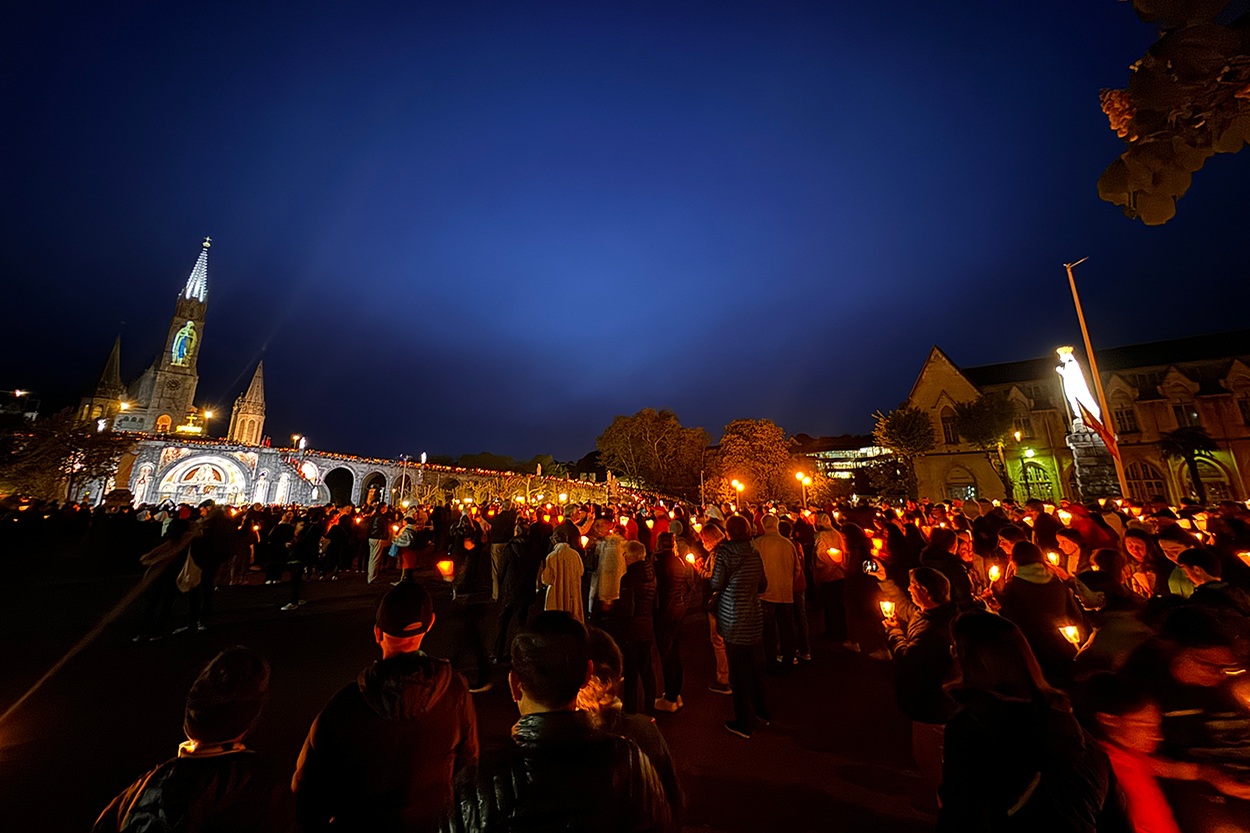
(174, 375)
(248, 418)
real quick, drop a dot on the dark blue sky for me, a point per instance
(464, 226)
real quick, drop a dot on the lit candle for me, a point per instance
(1065, 517)
(624, 521)
(887, 609)
(995, 572)
(1049, 507)
(697, 526)
(1071, 634)
(585, 540)
(690, 557)
(835, 554)
(447, 569)
(546, 519)
(1245, 558)
(1184, 523)
(1053, 558)
(650, 523)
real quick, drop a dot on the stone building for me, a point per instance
(1151, 388)
(247, 420)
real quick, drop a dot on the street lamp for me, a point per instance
(804, 482)
(740, 487)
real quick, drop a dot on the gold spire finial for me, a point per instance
(208, 241)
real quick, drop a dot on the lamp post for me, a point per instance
(1093, 369)
(741, 487)
(804, 482)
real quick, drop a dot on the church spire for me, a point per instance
(197, 283)
(110, 385)
(247, 421)
(256, 391)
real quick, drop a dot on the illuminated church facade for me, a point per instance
(161, 400)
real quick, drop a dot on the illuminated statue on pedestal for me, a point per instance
(1074, 386)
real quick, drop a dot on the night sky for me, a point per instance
(456, 227)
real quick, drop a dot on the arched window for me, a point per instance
(1145, 481)
(1214, 479)
(1037, 483)
(163, 422)
(949, 434)
(960, 484)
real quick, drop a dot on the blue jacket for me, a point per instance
(739, 578)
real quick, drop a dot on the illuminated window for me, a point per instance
(163, 422)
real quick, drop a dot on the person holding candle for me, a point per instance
(1014, 757)
(672, 576)
(921, 648)
(829, 572)
(1038, 600)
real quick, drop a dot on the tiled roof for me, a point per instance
(1175, 351)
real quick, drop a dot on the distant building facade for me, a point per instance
(1151, 388)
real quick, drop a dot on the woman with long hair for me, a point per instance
(1014, 757)
(1146, 567)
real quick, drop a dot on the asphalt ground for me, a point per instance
(837, 756)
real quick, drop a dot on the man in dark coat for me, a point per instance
(923, 661)
(631, 621)
(1041, 605)
(518, 587)
(559, 772)
(382, 754)
(672, 583)
(216, 782)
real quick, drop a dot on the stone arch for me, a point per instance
(338, 482)
(204, 477)
(1145, 481)
(1037, 482)
(960, 483)
(283, 494)
(1215, 478)
(373, 488)
(163, 423)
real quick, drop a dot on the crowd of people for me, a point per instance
(1064, 667)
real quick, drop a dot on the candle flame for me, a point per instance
(887, 609)
(995, 572)
(446, 569)
(1071, 634)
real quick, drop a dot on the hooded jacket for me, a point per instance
(562, 774)
(382, 754)
(233, 791)
(1039, 603)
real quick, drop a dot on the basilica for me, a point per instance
(175, 461)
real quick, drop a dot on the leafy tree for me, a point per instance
(985, 423)
(54, 457)
(1188, 99)
(1188, 443)
(890, 478)
(906, 433)
(652, 450)
(757, 453)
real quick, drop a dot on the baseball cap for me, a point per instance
(406, 610)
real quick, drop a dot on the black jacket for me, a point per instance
(999, 755)
(632, 618)
(518, 572)
(672, 582)
(562, 774)
(382, 754)
(923, 663)
(234, 791)
(956, 573)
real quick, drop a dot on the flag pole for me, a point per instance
(1093, 369)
